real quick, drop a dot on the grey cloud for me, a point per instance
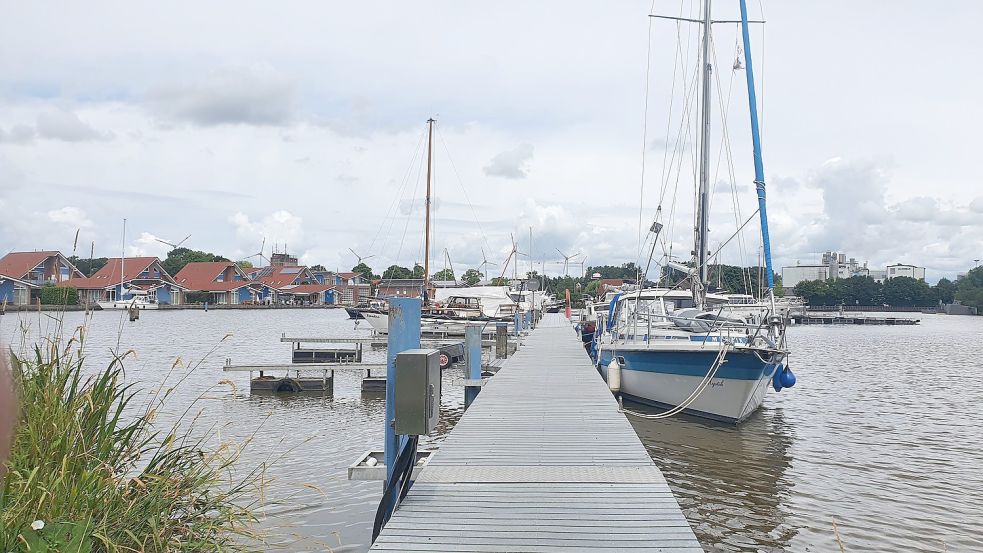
(977, 205)
(66, 125)
(18, 134)
(250, 96)
(918, 209)
(511, 164)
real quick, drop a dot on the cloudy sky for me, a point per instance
(301, 123)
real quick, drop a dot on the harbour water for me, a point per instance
(882, 432)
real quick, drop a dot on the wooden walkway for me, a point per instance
(542, 461)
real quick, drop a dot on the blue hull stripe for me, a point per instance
(739, 365)
(691, 412)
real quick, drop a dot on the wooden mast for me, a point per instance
(426, 248)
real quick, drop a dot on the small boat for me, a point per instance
(140, 302)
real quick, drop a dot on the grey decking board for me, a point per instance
(529, 467)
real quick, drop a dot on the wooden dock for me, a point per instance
(850, 319)
(541, 461)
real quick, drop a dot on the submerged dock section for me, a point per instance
(541, 461)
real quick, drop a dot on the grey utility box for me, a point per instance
(417, 393)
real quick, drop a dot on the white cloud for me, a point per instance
(71, 216)
(65, 125)
(255, 95)
(18, 134)
(281, 229)
(147, 245)
(511, 164)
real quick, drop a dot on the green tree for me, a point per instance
(814, 292)
(179, 257)
(945, 290)
(445, 274)
(318, 267)
(907, 291)
(365, 271)
(499, 281)
(88, 266)
(969, 289)
(244, 264)
(395, 271)
(52, 295)
(417, 271)
(472, 277)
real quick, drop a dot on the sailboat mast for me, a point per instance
(426, 247)
(759, 167)
(703, 193)
(122, 261)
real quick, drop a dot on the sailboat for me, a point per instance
(138, 298)
(682, 351)
(454, 312)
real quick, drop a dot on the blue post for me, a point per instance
(206, 306)
(404, 334)
(472, 344)
(759, 167)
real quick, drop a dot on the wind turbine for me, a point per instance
(359, 257)
(260, 253)
(173, 246)
(566, 261)
(484, 263)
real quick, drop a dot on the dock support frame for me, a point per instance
(404, 334)
(472, 355)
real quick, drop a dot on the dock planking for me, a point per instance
(541, 461)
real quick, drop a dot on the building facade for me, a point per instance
(224, 281)
(903, 270)
(123, 279)
(22, 273)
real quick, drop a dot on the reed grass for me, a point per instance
(93, 471)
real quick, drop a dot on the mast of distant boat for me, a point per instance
(122, 261)
(703, 192)
(426, 248)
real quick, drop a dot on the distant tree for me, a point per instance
(244, 264)
(969, 289)
(88, 266)
(945, 290)
(499, 281)
(365, 271)
(417, 271)
(907, 291)
(445, 274)
(177, 258)
(395, 271)
(626, 271)
(472, 277)
(814, 292)
(318, 267)
(592, 286)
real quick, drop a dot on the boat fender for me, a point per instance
(614, 375)
(776, 380)
(788, 378)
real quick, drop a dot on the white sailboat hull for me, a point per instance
(110, 305)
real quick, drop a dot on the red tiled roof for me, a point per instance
(201, 277)
(306, 289)
(110, 274)
(349, 275)
(18, 264)
(282, 276)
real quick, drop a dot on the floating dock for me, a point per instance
(845, 319)
(541, 461)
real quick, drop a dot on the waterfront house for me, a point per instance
(23, 272)
(292, 284)
(224, 281)
(122, 279)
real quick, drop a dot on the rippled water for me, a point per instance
(881, 432)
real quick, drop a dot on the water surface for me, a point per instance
(882, 432)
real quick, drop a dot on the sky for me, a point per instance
(301, 125)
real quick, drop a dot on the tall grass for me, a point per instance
(95, 472)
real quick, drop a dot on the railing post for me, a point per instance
(501, 340)
(404, 334)
(518, 323)
(472, 345)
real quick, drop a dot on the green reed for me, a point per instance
(99, 477)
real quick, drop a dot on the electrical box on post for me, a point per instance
(417, 393)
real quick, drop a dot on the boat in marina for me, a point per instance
(136, 300)
(686, 349)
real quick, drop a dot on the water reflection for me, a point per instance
(731, 482)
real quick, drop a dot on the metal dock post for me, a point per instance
(544, 462)
(501, 340)
(404, 334)
(472, 355)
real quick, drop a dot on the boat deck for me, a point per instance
(541, 461)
